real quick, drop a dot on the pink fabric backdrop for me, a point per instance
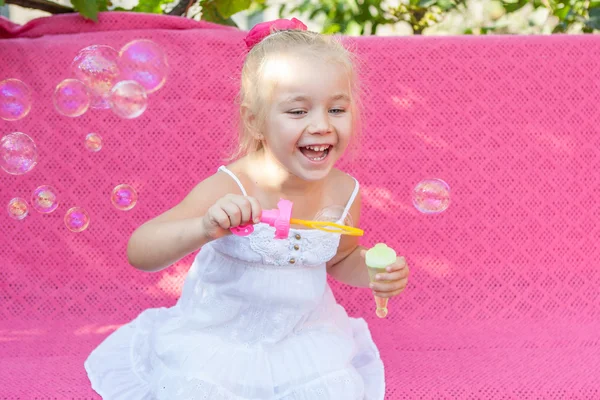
(504, 298)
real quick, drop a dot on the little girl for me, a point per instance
(257, 319)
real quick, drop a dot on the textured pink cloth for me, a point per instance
(504, 298)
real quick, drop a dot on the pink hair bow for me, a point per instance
(264, 29)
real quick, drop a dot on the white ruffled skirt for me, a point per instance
(159, 355)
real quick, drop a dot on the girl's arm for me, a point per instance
(179, 231)
(348, 266)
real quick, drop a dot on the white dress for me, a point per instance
(256, 320)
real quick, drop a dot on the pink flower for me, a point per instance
(264, 29)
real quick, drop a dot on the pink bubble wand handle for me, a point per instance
(278, 217)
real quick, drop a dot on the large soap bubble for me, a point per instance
(18, 153)
(144, 62)
(128, 99)
(71, 98)
(15, 99)
(97, 67)
(431, 196)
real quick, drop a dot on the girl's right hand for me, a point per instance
(228, 212)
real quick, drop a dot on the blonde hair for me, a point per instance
(252, 88)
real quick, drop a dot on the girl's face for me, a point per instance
(309, 120)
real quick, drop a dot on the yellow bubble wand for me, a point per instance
(329, 227)
(281, 219)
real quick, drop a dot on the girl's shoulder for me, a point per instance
(342, 182)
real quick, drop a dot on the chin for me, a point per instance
(313, 176)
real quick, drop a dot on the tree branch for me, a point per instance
(44, 5)
(181, 7)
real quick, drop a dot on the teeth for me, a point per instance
(318, 148)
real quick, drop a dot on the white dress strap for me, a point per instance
(235, 178)
(350, 201)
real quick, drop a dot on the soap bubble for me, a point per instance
(15, 99)
(123, 197)
(431, 196)
(17, 208)
(77, 219)
(97, 67)
(71, 98)
(333, 213)
(18, 153)
(144, 62)
(93, 142)
(44, 199)
(128, 99)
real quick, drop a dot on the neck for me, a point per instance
(273, 178)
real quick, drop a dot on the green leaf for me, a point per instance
(150, 6)
(353, 28)
(511, 6)
(87, 8)
(445, 5)
(426, 3)
(562, 13)
(1, 3)
(282, 8)
(227, 8)
(331, 29)
(314, 13)
(210, 13)
(102, 5)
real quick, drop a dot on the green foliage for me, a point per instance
(359, 17)
(421, 14)
(572, 12)
(355, 17)
(89, 8)
(150, 6)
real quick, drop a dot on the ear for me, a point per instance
(250, 122)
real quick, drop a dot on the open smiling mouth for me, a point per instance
(316, 152)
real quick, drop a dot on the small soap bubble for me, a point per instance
(93, 142)
(71, 98)
(44, 199)
(123, 197)
(97, 67)
(17, 208)
(15, 99)
(128, 99)
(77, 219)
(144, 62)
(431, 196)
(18, 153)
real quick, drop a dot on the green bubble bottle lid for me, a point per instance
(380, 256)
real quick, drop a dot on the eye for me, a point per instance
(297, 112)
(337, 111)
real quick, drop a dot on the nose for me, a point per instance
(319, 123)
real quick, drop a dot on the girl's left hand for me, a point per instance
(392, 282)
